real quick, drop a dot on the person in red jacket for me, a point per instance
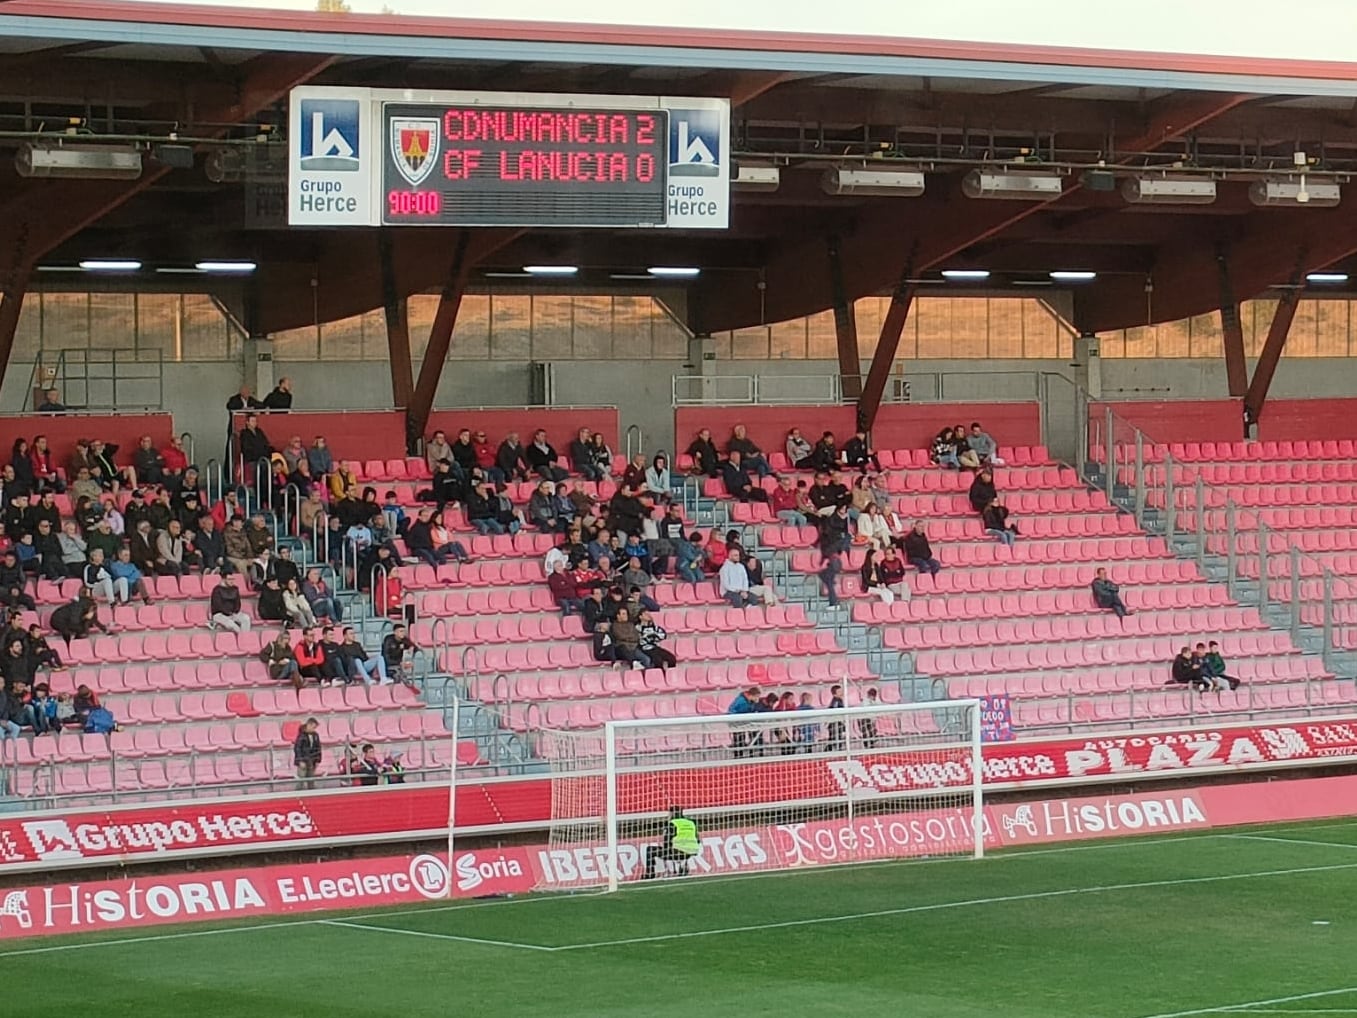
(45, 475)
(486, 458)
(310, 656)
(564, 589)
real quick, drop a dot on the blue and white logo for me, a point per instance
(329, 134)
(694, 143)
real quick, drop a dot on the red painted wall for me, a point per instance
(350, 434)
(1222, 420)
(122, 430)
(898, 426)
(561, 423)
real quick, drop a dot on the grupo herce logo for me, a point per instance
(429, 876)
(52, 840)
(694, 143)
(329, 134)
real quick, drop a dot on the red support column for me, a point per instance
(892, 327)
(1232, 330)
(1277, 332)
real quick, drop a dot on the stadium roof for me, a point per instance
(218, 77)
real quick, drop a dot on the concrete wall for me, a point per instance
(196, 393)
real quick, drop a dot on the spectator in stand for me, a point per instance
(343, 483)
(280, 399)
(735, 477)
(310, 658)
(481, 510)
(437, 449)
(750, 454)
(659, 480)
(280, 662)
(224, 607)
(394, 649)
(540, 458)
(294, 452)
(296, 604)
(15, 664)
(46, 558)
(872, 529)
(860, 496)
(734, 580)
(172, 554)
(105, 471)
(542, 509)
(318, 458)
(798, 451)
(127, 577)
(45, 475)
(210, 544)
(445, 489)
(84, 485)
(1213, 667)
(1187, 671)
(76, 618)
(825, 496)
(944, 450)
(419, 540)
(603, 455)
(485, 458)
(858, 454)
(784, 502)
(148, 462)
(464, 456)
(652, 635)
(872, 583)
(892, 566)
(51, 403)
(271, 607)
(759, 587)
(690, 559)
(717, 549)
(362, 666)
(41, 654)
(510, 458)
(1107, 595)
(595, 608)
(95, 575)
(1211, 678)
(749, 701)
(637, 579)
(626, 513)
(306, 754)
(103, 538)
(982, 491)
(919, 553)
(706, 460)
(253, 445)
(174, 460)
(634, 477)
(984, 447)
(324, 604)
(239, 553)
(582, 456)
(13, 583)
(564, 588)
(825, 456)
(73, 549)
(627, 641)
(14, 713)
(996, 520)
(23, 482)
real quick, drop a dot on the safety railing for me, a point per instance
(634, 441)
(1238, 544)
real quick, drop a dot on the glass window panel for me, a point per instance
(670, 338)
(1332, 317)
(511, 327)
(1039, 329)
(113, 320)
(1174, 340)
(720, 346)
(787, 340)
(594, 329)
(551, 328)
(28, 334)
(296, 344)
(158, 323)
(1112, 344)
(419, 312)
(750, 344)
(821, 340)
(633, 327)
(65, 321)
(1005, 327)
(205, 330)
(1142, 341)
(868, 313)
(342, 340)
(1261, 312)
(471, 334)
(1300, 341)
(1206, 336)
(970, 327)
(935, 327)
(372, 328)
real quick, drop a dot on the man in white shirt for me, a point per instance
(734, 580)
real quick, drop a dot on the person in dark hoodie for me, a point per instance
(982, 491)
(306, 754)
(706, 460)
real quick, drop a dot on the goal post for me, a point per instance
(767, 791)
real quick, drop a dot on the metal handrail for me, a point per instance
(640, 440)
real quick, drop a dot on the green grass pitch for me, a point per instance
(1257, 921)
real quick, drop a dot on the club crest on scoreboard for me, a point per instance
(414, 146)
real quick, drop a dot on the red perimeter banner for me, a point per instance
(170, 830)
(84, 907)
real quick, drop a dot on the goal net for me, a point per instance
(766, 791)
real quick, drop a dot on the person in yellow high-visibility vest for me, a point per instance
(680, 844)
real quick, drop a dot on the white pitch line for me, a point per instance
(1244, 1007)
(433, 936)
(1290, 841)
(967, 903)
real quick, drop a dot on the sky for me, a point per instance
(1324, 32)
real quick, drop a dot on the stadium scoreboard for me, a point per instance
(382, 157)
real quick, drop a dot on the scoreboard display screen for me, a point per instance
(469, 164)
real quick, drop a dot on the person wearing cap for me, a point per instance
(681, 843)
(306, 754)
